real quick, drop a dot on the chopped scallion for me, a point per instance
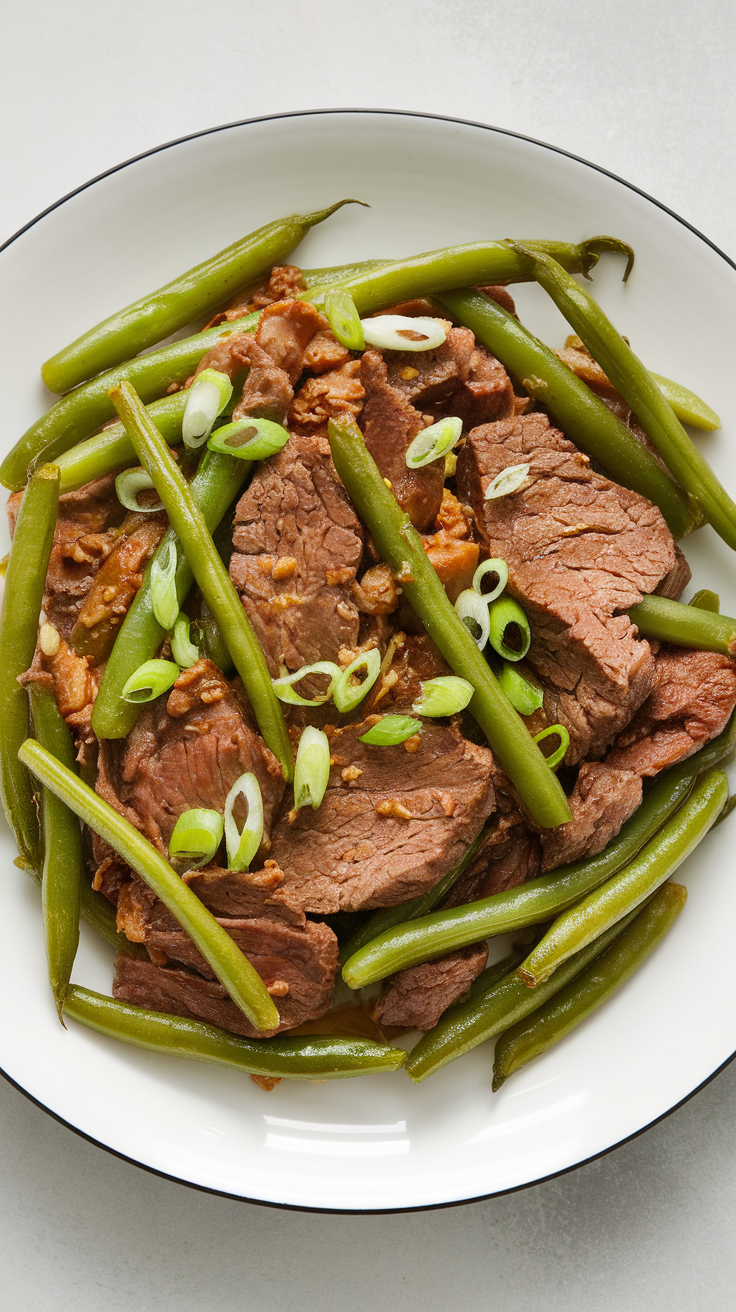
(473, 611)
(433, 443)
(129, 484)
(182, 649)
(208, 396)
(558, 755)
(242, 845)
(445, 695)
(399, 332)
(150, 680)
(250, 439)
(509, 634)
(525, 697)
(347, 695)
(497, 569)
(196, 837)
(312, 768)
(344, 319)
(164, 600)
(508, 481)
(284, 686)
(391, 730)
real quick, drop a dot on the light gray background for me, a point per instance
(644, 88)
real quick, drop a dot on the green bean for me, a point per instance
(379, 922)
(327, 1058)
(636, 385)
(216, 482)
(112, 448)
(62, 858)
(334, 273)
(25, 581)
(401, 547)
(686, 626)
(582, 416)
(574, 1003)
(212, 577)
(705, 599)
(411, 942)
(192, 295)
(688, 407)
(583, 923)
(492, 1009)
(457, 266)
(234, 971)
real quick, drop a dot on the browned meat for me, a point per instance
(692, 699)
(285, 282)
(378, 593)
(390, 423)
(414, 659)
(486, 393)
(454, 559)
(324, 353)
(267, 392)
(115, 585)
(298, 544)
(391, 824)
(579, 548)
(673, 584)
(298, 966)
(604, 797)
(202, 682)
(86, 533)
(338, 394)
(245, 894)
(416, 998)
(429, 378)
(170, 764)
(508, 856)
(285, 330)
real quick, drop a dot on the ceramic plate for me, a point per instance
(381, 1142)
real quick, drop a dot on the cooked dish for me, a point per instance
(355, 642)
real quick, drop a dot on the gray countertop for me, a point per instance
(645, 90)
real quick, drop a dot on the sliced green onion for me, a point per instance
(164, 599)
(312, 768)
(399, 332)
(444, 696)
(150, 680)
(196, 837)
(391, 730)
(208, 396)
(250, 439)
(504, 614)
(347, 696)
(525, 697)
(558, 755)
(284, 689)
(495, 566)
(344, 319)
(242, 845)
(433, 443)
(508, 481)
(184, 652)
(129, 484)
(473, 611)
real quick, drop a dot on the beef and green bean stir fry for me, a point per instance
(344, 635)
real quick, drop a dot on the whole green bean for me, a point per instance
(493, 1009)
(234, 971)
(411, 942)
(112, 448)
(686, 626)
(379, 922)
(25, 581)
(303, 1058)
(62, 842)
(401, 547)
(582, 416)
(218, 479)
(628, 887)
(636, 385)
(688, 407)
(192, 295)
(458, 266)
(573, 1004)
(190, 526)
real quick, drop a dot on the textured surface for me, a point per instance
(646, 91)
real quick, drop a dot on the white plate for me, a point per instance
(378, 1143)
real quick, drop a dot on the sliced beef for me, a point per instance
(390, 423)
(337, 394)
(579, 549)
(172, 763)
(285, 330)
(393, 821)
(413, 660)
(673, 584)
(604, 797)
(416, 998)
(298, 544)
(692, 699)
(267, 392)
(245, 893)
(298, 966)
(325, 353)
(115, 584)
(285, 282)
(509, 854)
(429, 378)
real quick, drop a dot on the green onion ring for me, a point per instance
(196, 837)
(344, 319)
(389, 332)
(312, 768)
(508, 481)
(525, 696)
(242, 846)
(345, 697)
(182, 649)
(559, 753)
(164, 600)
(501, 614)
(208, 396)
(150, 680)
(433, 442)
(496, 565)
(129, 484)
(472, 609)
(249, 439)
(391, 730)
(283, 686)
(445, 695)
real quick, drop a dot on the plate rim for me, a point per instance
(558, 150)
